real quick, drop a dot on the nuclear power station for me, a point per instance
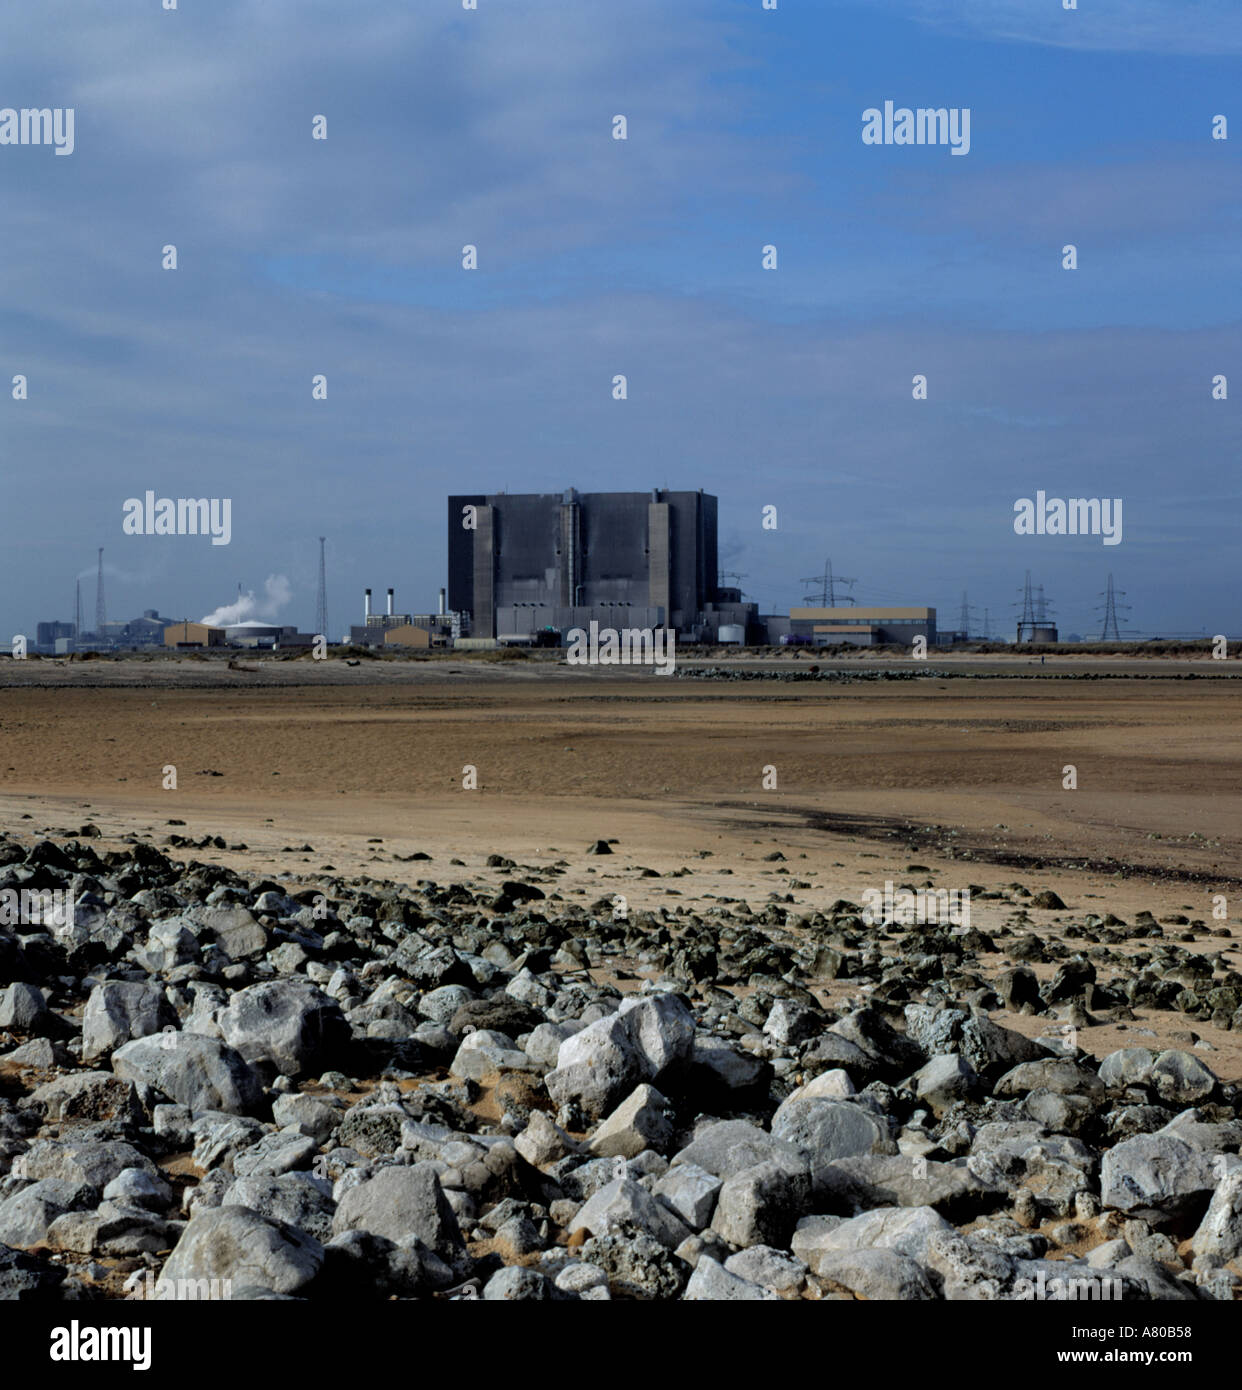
(529, 569)
(542, 563)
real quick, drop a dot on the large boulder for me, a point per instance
(1220, 1231)
(1061, 1077)
(26, 1215)
(730, 1146)
(824, 1130)
(598, 1067)
(27, 1278)
(637, 1265)
(691, 1192)
(896, 1054)
(644, 1120)
(239, 1247)
(876, 1274)
(170, 943)
(718, 1074)
(876, 1180)
(195, 1071)
(296, 1198)
(1180, 1078)
(1128, 1066)
(903, 1229)
(623, 1204)
(88, 1162)
(992, 1050)
(24, 1008)
(761, 1205)
(119, 1011)
(236, 931)
(87, 1095)
(287, 1025)
(283, 1152)
(1156, 1177)
(404, 1201)
(944, 1081)
(712, 1283)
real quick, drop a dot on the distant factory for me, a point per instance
(60, 638)
(862, 627)
(414, 630)
(528, 568)
(251, 634)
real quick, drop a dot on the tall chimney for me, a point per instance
(366, 612)
(442, 603)
(390, 603)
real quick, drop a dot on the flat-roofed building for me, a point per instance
(864, 627)
(187, 634)
(408, 635)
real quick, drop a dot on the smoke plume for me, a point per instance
(276, 593)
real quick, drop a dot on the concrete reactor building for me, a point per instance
(530, 567)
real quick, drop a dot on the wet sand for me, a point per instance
(962, 776)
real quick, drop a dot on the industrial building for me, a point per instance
(193, 635)
(61, 638)
(530, 567)
(147, 631)
(861, 627)
(257, 635)
(48, 634)
(390, 629)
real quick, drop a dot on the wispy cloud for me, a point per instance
(491, 127)
(1189, 27)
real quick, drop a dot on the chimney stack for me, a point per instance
(390, 603)
(442, 603)
(366, 612)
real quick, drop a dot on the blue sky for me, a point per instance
(790, 387)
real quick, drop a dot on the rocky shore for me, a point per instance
(220, 1085)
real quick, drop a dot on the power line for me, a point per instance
(1111, 630)
(826, 589)
(1036, 609)
(964, 617)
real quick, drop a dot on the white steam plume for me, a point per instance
(276, 593)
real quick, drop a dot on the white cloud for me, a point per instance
(1198, 27)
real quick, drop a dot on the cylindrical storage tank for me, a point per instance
(1043, 632)
(731, 633)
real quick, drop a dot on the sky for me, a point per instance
(789, 388)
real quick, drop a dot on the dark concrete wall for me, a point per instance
(561, 549)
